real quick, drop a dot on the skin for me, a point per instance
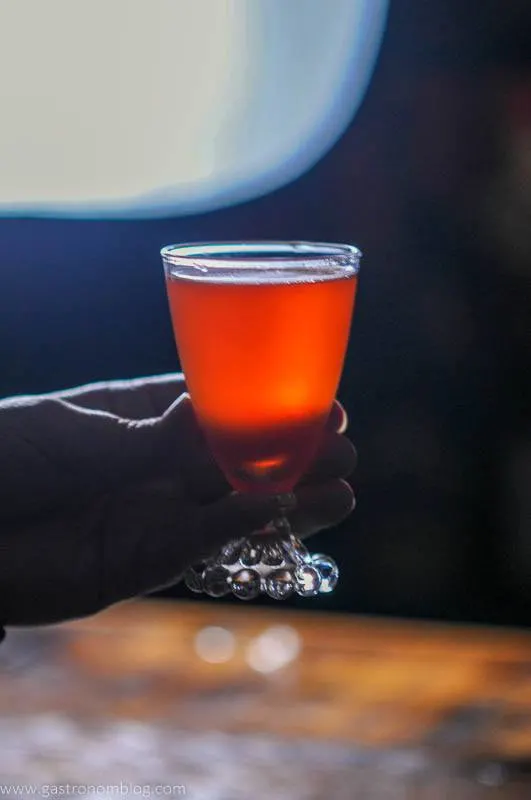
(109, 491)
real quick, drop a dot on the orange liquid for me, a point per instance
(262, 362)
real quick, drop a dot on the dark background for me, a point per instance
(432, 180)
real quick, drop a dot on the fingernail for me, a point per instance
(343, 425)
(337, 421)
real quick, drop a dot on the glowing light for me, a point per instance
(263, 468)
(149, 107)
(215, 645)
(277, 647)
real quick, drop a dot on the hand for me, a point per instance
(109, 491)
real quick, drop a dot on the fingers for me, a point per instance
(321, 506)
(205, 481)
(140, 398)
(152, 536)
(56, 453)
(75, 564)
(179, 431)
(337, 458)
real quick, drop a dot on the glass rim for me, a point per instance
(258, 254)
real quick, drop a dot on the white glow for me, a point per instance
(215, 645)
(277, 647)
(113, 107)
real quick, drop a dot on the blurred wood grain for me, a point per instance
(461, 695)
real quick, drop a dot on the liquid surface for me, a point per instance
(262, 361)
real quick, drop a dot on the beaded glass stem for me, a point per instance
(273, 562)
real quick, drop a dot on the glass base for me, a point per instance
(275, 563)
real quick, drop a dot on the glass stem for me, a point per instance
(286, 502)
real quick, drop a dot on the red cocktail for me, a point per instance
(262, 331)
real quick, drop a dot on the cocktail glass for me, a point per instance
(262, 330)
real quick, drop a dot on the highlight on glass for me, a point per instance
(262, 329)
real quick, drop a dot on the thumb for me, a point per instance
(53, 453)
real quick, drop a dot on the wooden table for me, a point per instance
(222, 702)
